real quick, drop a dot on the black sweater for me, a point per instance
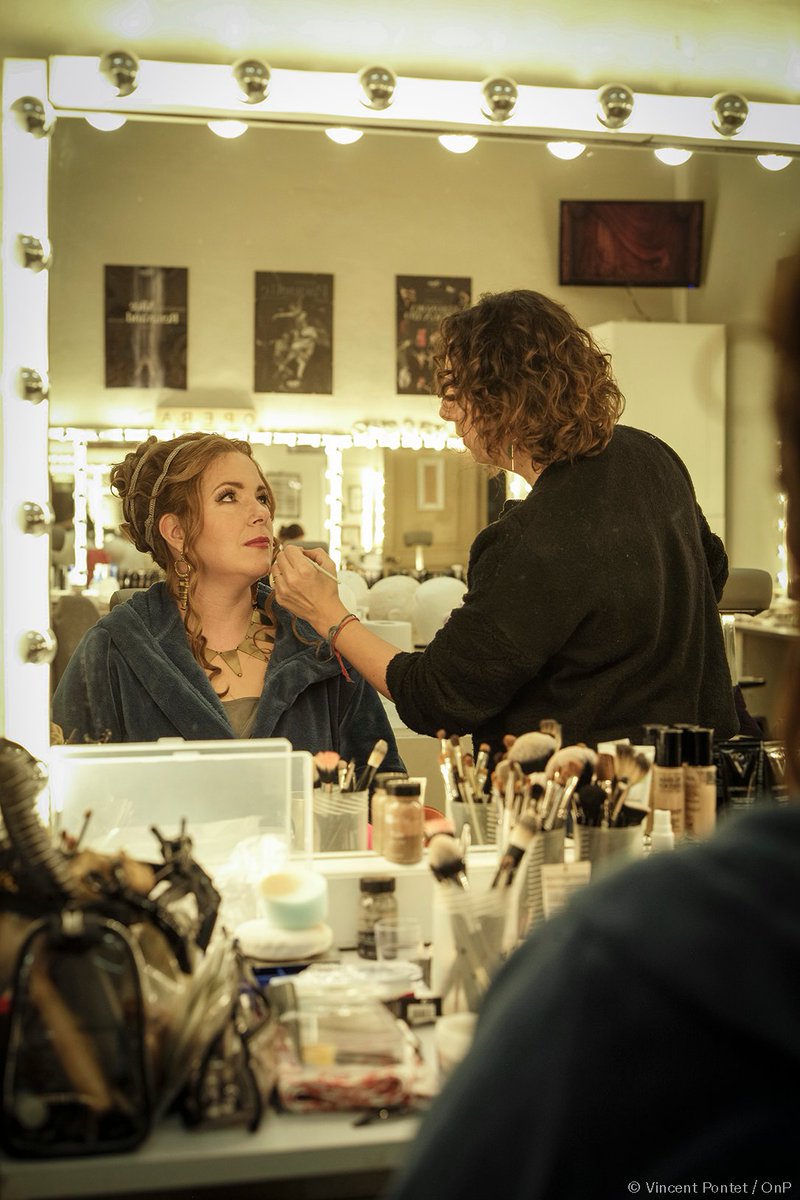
(592, 601)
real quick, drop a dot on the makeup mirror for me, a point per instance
(161, 190)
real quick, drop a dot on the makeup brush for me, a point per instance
(590, 800)
(327, 764)
(376, 757)
(625, 806)
(322, 570)
(482, 765)
(532, 751)
(446, 860)
(572, 760)
(522, 835)
(553, 728)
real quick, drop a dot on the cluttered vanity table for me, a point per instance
(327, 1155)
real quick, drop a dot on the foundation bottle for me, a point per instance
(667, 789)
(403, 821)
(700, 782)
(378, 805)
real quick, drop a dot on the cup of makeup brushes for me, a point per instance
(482, 819)
(340, 820)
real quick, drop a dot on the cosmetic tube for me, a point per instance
(667, 787)
(700, 782)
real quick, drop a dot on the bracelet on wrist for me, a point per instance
(333, 634)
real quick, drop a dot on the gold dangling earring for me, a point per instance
(511, 454)
(183, 582)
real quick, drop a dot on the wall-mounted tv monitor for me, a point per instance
(631, 243)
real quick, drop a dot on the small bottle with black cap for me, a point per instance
(700, 782)
(403, 821)
(667, 789)
(376, 901)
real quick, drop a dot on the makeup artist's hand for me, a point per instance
(302, 583)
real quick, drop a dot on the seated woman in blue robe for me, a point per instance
(208, 653)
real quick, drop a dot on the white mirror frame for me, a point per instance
(25, 561)
(189, 91)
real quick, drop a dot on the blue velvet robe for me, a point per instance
(132, 678)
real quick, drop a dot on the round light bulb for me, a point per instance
(458, 143)
(228, 129)
(566, 150)
(773, 162)
(672, 156)
(344, 136)
(105, 121)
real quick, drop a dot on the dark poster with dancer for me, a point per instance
(422, 304)
(294, 332)
(146, 312)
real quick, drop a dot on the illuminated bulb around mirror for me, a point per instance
(773, 162)
(566, 150)
(614, 105)
(458, 143)
(253, 77)
(228, 129)
(105, 122)
(377, 85)
(121, 69)
(35, 252)
(33, 116)
(38, 646)
(729, 113)
(344, 136)
(672, 156)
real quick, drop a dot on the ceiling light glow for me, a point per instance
(672, 156)
(228, 129)
(566, 150)
(458, 143)
(344, 136)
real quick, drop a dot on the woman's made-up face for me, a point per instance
(235, 538)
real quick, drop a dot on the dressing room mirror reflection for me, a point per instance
(172, 195)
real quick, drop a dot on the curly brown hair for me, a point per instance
(529, 376)
(134, 481)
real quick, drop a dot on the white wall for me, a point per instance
(287, 200)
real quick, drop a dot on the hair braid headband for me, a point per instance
(148, 525)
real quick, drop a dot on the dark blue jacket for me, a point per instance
(133, 678)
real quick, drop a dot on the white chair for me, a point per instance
(389, 599)
(432, 604)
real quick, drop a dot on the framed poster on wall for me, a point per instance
(631, 243)
(294, 333)
(146, 313)
(422, 303)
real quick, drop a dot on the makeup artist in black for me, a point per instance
(647, 1039)
(592, 601)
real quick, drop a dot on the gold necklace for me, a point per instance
(248, 645)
